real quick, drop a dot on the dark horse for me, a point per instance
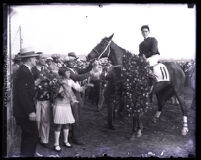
(107, 48)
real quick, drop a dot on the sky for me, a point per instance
(64, 28)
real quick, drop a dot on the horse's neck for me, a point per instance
(116, 55)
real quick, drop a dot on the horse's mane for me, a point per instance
(124, 50)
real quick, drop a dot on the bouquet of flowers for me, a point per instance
(55, 88)
(48, 86)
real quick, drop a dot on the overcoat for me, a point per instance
(23, 94)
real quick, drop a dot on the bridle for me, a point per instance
(100, 54)
(108, 54)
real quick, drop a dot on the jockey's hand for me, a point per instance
(144, 56)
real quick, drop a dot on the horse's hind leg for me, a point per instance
(163, 92)
(184, 112)
(158, 113)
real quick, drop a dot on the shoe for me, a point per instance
(77, 142)
(57, 148)
(68, 145)
(44, 144)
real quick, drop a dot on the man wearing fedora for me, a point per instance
(56, 60)
(77, 75)
(24, 105)
(16, 65)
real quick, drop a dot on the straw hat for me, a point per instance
(16, 58)
(49, 59)
(26, 53)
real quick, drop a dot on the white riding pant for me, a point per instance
(153, 60)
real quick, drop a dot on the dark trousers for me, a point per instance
(29, 137)
(94, 92)
(76, 107)
(193, 104)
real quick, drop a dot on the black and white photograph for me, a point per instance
(100, 80)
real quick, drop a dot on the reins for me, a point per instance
(105, 50)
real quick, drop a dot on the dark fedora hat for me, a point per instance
(39, 52)
(25, 53)
(72, 54)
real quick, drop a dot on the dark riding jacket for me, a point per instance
(149, 47)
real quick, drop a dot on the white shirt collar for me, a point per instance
(28, 67)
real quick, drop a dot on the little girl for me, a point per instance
(62, 110)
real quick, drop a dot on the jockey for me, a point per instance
(149, 50)
(149, 47)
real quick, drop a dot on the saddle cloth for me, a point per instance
(161, 73)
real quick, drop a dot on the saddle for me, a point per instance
(160, 72)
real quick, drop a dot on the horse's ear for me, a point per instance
(110, 37)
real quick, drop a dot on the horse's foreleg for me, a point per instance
(139, 125)
(114, 113)
(151, 97)
(134, 129)
(182, 105)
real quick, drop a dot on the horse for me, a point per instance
(107, 48)
(192, 85)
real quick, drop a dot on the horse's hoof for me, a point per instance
(111, 127)
(184, 131)
(155, 120)
(132, 137)
(139, 134)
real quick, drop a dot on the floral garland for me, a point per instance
(135, 77)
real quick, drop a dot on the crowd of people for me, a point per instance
(52, 89)
(45, 86)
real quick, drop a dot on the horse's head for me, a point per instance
(100, 50)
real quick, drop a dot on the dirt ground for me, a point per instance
(162, 139)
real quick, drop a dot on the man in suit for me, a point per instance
(77, 75)
(24, 105)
